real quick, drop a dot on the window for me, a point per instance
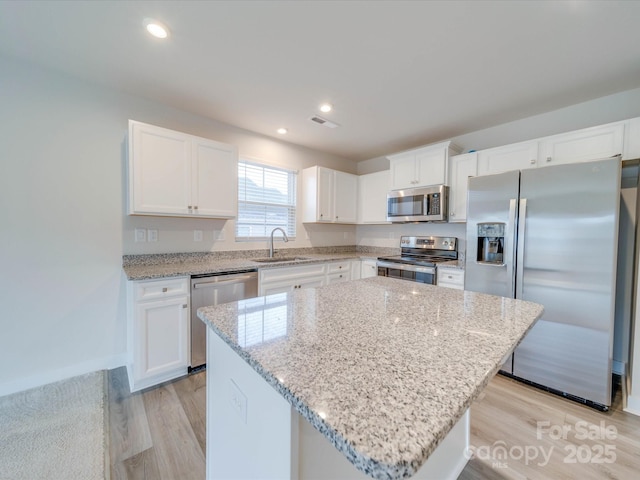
(266, 200)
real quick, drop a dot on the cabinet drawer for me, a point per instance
(338, 277)
(153, 289)
(450, 277)
(337, 267)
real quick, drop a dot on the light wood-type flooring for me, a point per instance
(517, 432)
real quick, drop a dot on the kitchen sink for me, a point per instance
(279, 259)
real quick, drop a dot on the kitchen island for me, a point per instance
(372, 376)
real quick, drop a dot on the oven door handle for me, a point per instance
(404, 266)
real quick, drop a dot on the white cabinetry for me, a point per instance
(450, 277)
(338, 272)
(632, 139)
(176, 174)
(461, 168)
(372, 197)
(582, 145)
(421, 167)
(157, 331)
(329, 196)
(517, 156)
(288, 279)
(368, 268)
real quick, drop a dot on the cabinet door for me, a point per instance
(431, 167)
(369, 269)
(313, 282)
(583, 145)
(214, 179)
(462, 167)
(324, 211)
(276, 287)
(372, 197)
(403, 171)
(345, 197)
(338, 277)
(159, 170)
(518, 156)
(161, 344)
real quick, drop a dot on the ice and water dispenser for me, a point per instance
(491, 243)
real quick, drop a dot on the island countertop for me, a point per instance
(383, 368)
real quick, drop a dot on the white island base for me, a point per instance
(254, 433)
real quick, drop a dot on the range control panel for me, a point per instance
(435, 243)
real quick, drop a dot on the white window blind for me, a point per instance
(266, 200)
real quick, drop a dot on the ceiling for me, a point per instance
(399, 74)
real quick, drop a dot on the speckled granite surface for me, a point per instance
(382, 367)
(147, 267)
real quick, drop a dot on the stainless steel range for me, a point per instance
(418, 259)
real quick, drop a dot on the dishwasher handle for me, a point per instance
(224, 280)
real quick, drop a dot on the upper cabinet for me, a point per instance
(517, 156)
(421, 167)
(176, 174)
(329, 196)
(582, 145)
(572, 147)
(372, 197)
(632, 139)
(461, 168)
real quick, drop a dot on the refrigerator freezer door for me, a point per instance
(569, 265)
(491, 199)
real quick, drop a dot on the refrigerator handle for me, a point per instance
(510, 254)
(522, 223)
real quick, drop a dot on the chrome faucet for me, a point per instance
(285, 238)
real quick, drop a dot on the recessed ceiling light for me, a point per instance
(326, 107)
(155, 28)
(282, 131)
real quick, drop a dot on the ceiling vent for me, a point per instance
(323, 121)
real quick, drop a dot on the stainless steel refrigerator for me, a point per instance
(549, 235)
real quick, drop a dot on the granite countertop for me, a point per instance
(381, 367)
(148, 267)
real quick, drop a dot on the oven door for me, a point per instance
(413, 273)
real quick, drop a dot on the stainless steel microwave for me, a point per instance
(425, 204)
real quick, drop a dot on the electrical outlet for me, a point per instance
(140, 235)
(152, 235)
(238, 400)
(197, 235)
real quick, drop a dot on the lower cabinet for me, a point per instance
(450, 278)
(288, 279)
(368, 268)
(157, 331)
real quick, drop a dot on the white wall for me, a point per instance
(63, 225)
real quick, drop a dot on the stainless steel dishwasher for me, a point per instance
(214, 289)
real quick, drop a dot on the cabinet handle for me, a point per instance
(321, 215)
(340, 275)
(548, 159)
(164, 290)
(184, 305)
(195, 207)
(340, 266)
(189, 207)
(532, 161)
(336, 217)
(452, 214)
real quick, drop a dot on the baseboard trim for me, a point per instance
(633, 405)
(51, 376)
